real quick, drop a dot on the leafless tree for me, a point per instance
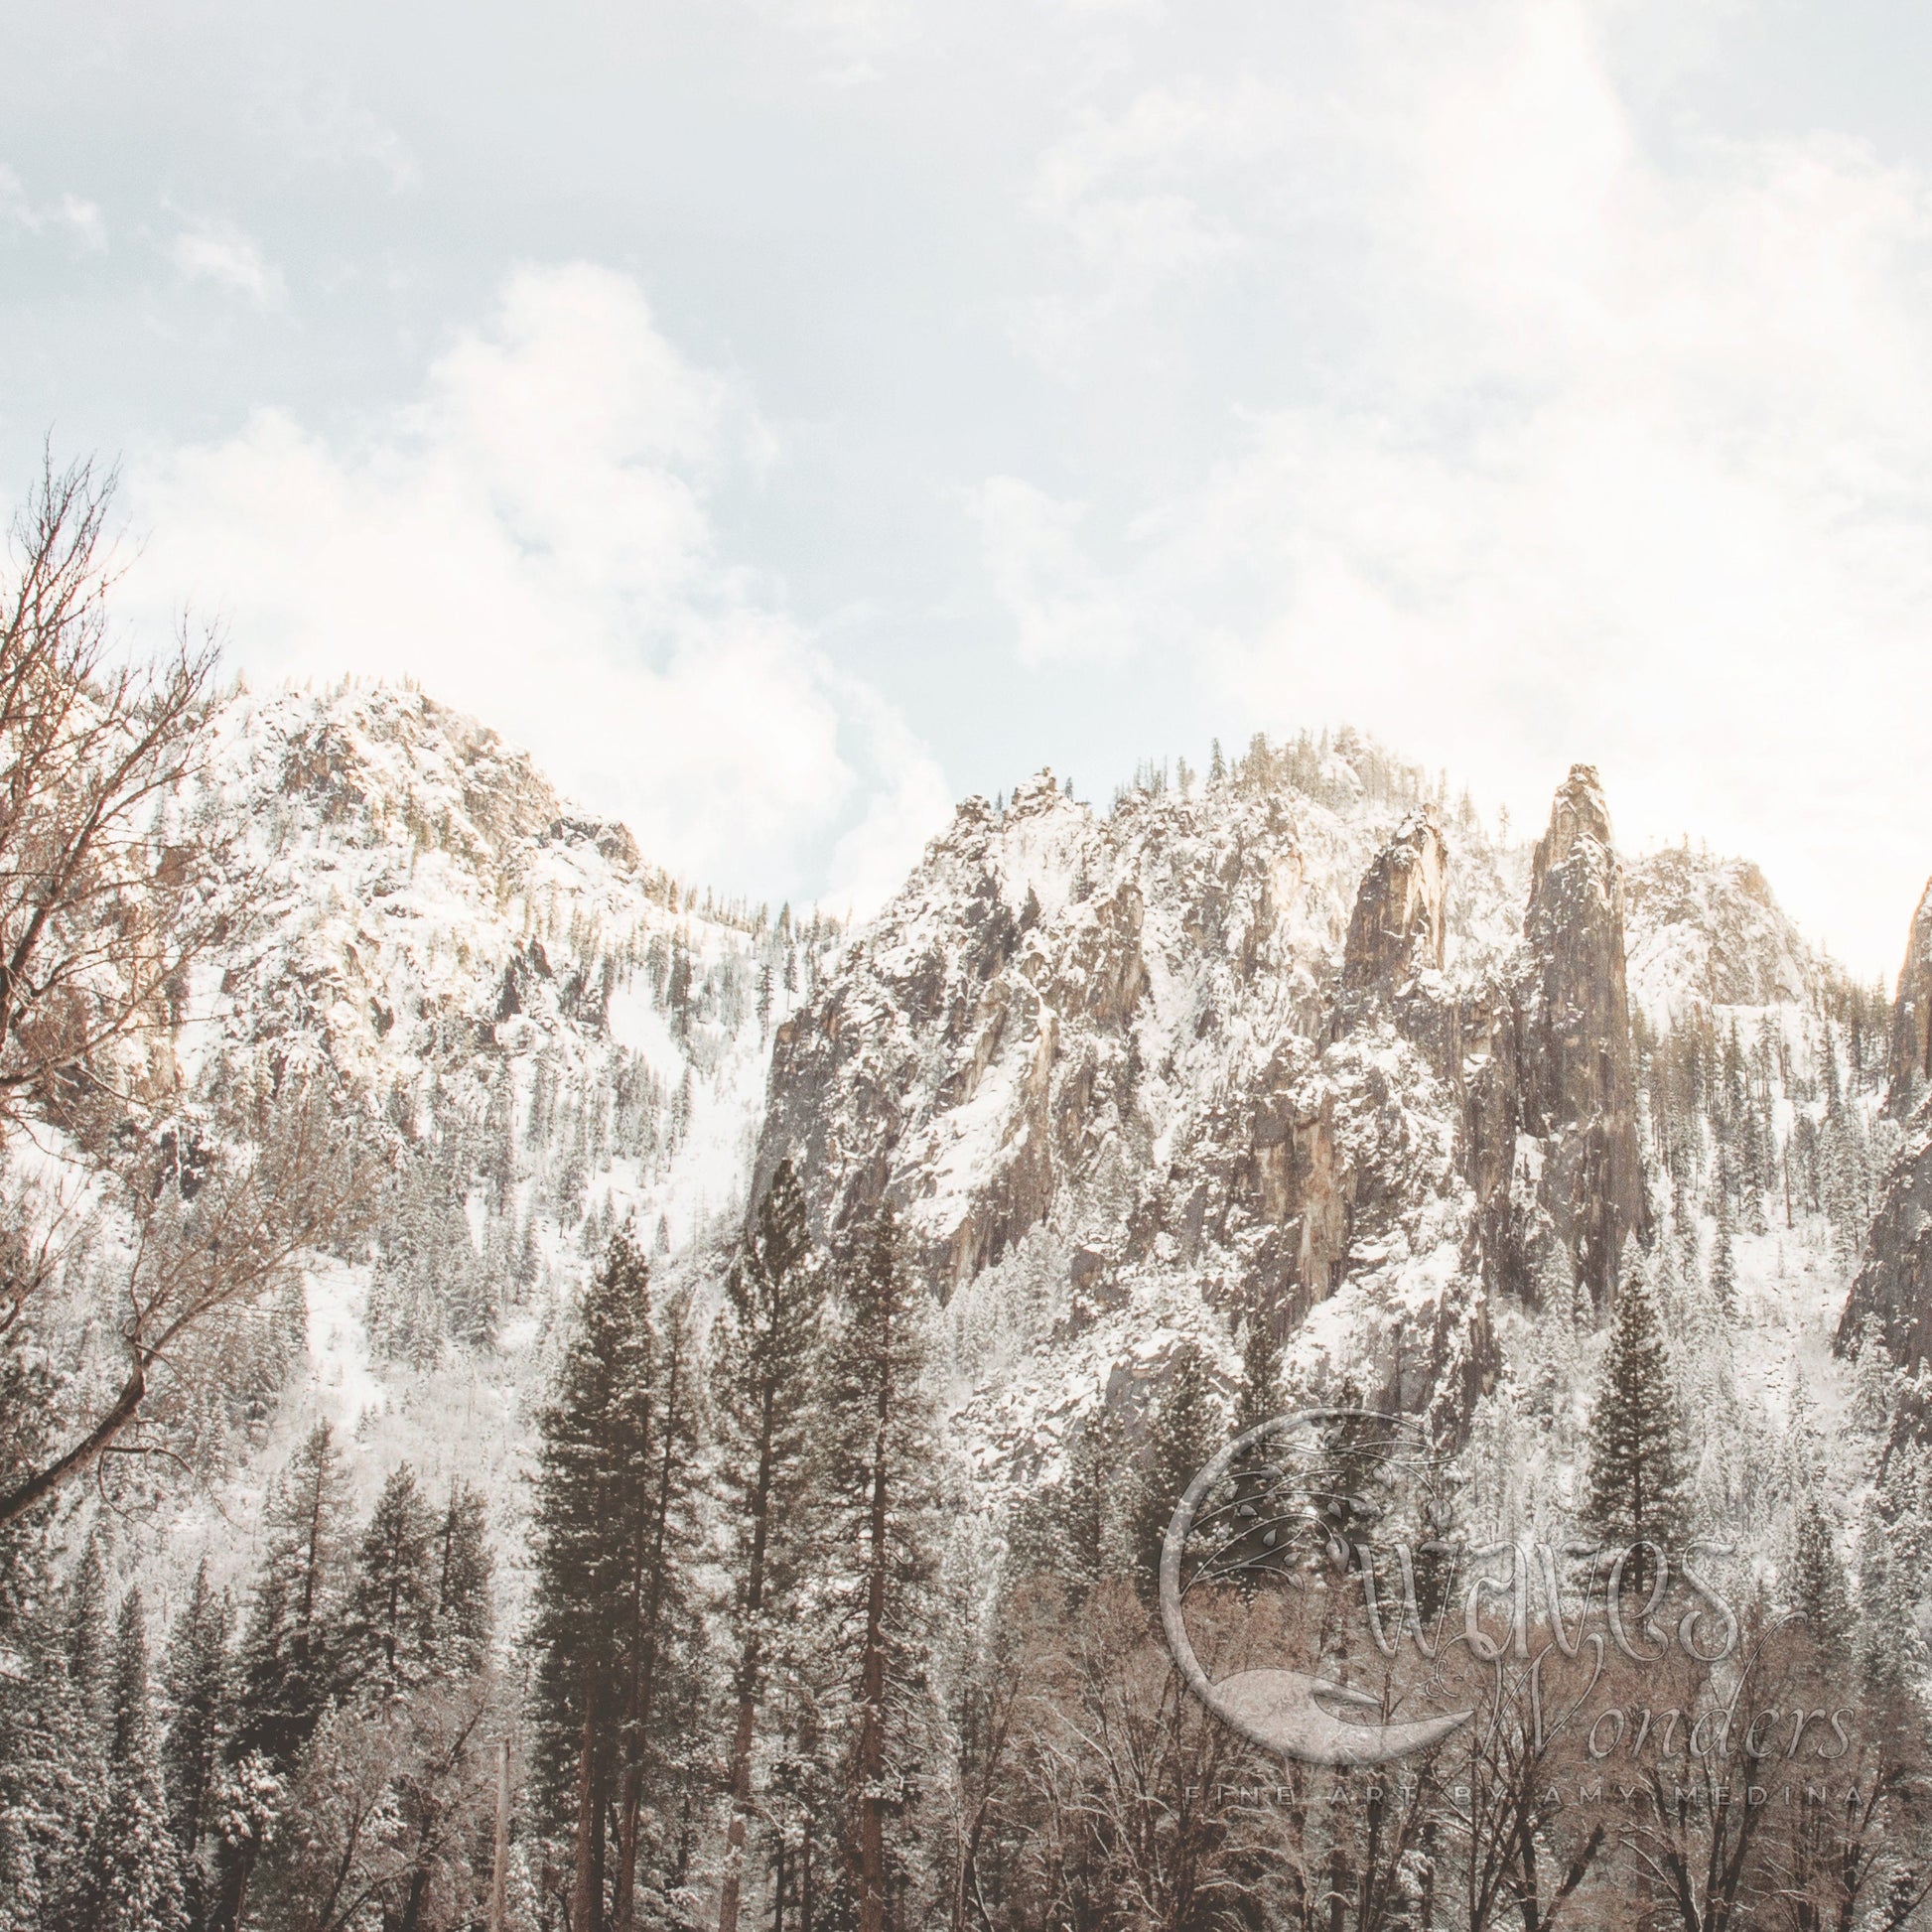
(112, 886)
(105, 897)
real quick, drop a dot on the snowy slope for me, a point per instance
(542, 1033)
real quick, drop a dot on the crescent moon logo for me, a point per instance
(1286, 1711)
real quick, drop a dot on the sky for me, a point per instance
(785, 416)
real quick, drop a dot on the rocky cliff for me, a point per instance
(1278, 1050)
(1568, 1088)
(1892, 1290)
(1909, 1062)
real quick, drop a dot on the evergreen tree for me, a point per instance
(1083, 1526)
(1259, 1397)
(766, 1348)
(89, 1645)
(614, 1538)
(1818, 1578)
(879, 1483)
(388, 1634)
(1636, 1478)
(592, 1436)
(1724, 1260)
(657, 1647)
(1185, 1432)
(198, 1691)
(287, 1663)
(131, 1880)
(465, 1573)
(53, 1772)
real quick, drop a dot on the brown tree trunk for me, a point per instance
(872, 1718)
(624, 1915)
(587, 1881)
(747, 1681)
(16, 1502)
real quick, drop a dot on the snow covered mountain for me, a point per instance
(543, 1034)
(1300, 1043)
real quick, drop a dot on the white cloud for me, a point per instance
(1631, 459)
(532, 540)
(219, 252)
(1065, 610)
(328, 128)
(80, 221)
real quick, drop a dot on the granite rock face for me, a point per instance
(1575, 1064)
(1263, 1053)
(1910, 1058)
(1892, 1290)
(1706, 931)
(1396, 930)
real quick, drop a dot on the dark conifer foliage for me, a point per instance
(465, 1573)
(130, 1879)
(1186, 1430)
(388, 1637)
(764, 1400)
(1079, 1530)
(1818, 1589)
(200, 1689)
(1637, 1477)
(882, 1543)
(288, 1656)
(616, 1538)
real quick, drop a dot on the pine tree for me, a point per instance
(1259, 1397)
(1818, 1578)
(89, 1645)
(591, 1436)
(465, 1573)
(662, 1632)
(287, 1665)
(1636, 1478)
(1185, 1432)
(53, 1769)
(387, 1644)
(614, 1538)
(1724, 1260)
(131, 1878)
(879, 1483)
(1084, 1527)
(763, 1384)
(198, 1686)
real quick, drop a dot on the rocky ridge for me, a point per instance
(1892, 1293)
(1302, 1044)
(1281, 1051)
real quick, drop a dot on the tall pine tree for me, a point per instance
(1818, 1589)
(879, 1480)
(465, 1575)
(1182, 1436)
(197, 1680)
(388, 1637)
(1636, 1475)
(130, 1880)
(614, 1538)
(763, 1388)
(287, 1660)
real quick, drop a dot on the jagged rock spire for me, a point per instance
(1579, 1076)
(1396, 931)
(1893, 1286)
(1553, 1124)
(1911, 1012)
